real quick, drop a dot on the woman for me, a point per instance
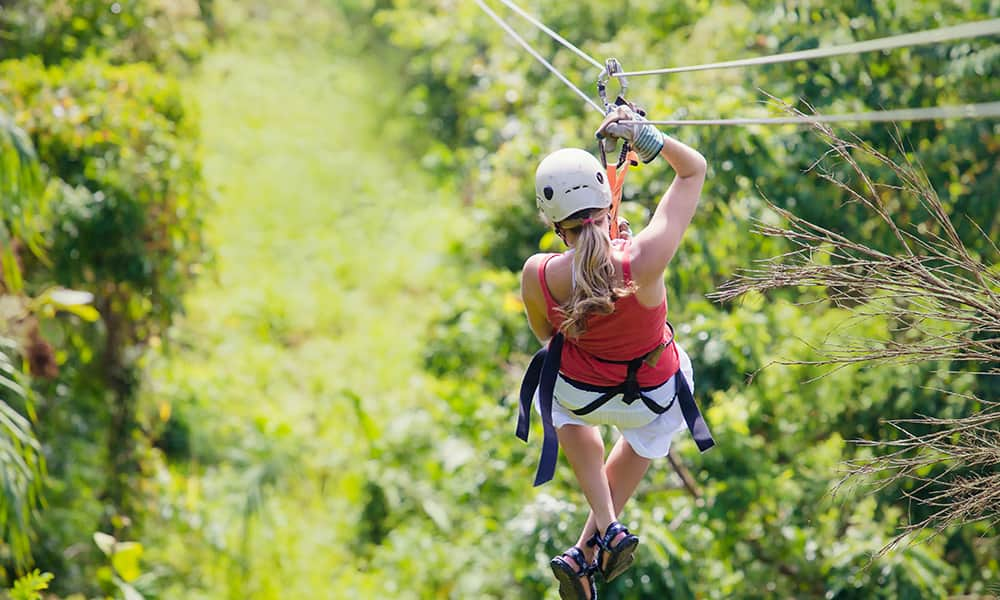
(601, 308)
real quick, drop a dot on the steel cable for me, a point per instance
(510, 31)
(552, 34)
(963, 111)
(968, 111)
(944, 34)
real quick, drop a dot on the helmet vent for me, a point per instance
(600, 177)
(548, 192)
(574, 188)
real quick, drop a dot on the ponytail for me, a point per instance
(593, 277)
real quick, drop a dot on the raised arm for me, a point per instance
(655, 246)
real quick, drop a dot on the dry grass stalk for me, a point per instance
(945, 304)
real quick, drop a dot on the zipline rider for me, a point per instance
(610, 358)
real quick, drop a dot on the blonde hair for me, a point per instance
(594, 292)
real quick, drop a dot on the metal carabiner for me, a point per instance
(611, 66)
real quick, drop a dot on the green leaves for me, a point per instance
(101, 200)
(29, 586)
(124, 556)
(21, 201)
(166, 35)
(766, 525)
(126, 205)
(124, 568)
(21, 457)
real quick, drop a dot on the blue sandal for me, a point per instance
(569, 578)
(612, 561)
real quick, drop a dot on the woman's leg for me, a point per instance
(623, 471)
(584, 449)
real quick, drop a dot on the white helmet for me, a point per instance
(568, 181)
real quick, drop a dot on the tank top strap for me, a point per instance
(549, 300)
(626, 262)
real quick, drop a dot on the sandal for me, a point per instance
(612, 561)
(569, 578)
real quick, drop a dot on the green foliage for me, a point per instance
(337, 413)
(956, 155)
(100, 190)
(29, 586)
(165, 33)
(484, 310)
(20, 453)
(127, 197)
(20, 199)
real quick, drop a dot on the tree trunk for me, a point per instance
(120, 379)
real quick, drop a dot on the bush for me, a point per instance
(764, 524)
(124, 199)
(125, 190)
(166, 33)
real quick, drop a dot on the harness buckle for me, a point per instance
(653, 356)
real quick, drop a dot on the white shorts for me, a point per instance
(648, 433)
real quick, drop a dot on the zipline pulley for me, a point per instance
(611, 68)
(616, 173)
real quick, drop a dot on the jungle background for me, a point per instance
(260, 332)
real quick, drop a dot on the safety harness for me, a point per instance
(541, 376)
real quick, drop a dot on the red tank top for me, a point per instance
(630, 331)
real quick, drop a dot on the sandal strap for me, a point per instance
(604, 542)
(582, 567)
(614, 529)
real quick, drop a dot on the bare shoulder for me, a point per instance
(533, 261)
(532, 265)
(529, 274)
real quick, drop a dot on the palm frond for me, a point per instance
(21, 462)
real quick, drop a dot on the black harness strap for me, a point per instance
(542, 373)
(692, 416)
(629, 389)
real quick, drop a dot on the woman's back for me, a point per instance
(631, 330)
(559, 277)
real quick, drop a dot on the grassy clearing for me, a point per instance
(329, 249)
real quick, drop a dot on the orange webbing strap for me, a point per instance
(616, 179)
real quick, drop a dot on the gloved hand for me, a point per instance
(610, 144)
(646, 140)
